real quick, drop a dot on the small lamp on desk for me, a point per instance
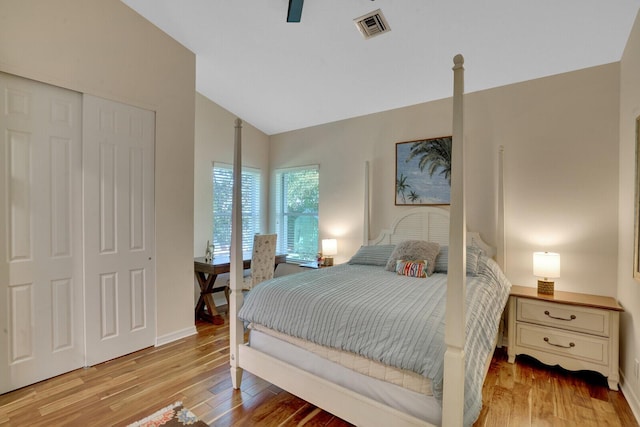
(547, 266)
(329, 249)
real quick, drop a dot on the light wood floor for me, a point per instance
(195, 371)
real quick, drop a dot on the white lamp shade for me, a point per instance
(329, 247)
(546, 264)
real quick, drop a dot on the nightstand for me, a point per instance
(572, 330)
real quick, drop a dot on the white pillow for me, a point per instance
(412, 250)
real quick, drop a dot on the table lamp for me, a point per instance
(547, 266)
(329, 248)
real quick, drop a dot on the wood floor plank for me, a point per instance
(195, 370)
(608, 415)
(542, 407)
(248, 412)
(304, 414)
(521, 405)
(500, 407)
(278, 409)
(621, 407)
(218, 406)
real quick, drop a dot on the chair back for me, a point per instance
(263, 258)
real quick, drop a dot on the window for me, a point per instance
(296, 212)
(222, 200)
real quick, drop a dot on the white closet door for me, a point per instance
(41, 300)
(118, 159)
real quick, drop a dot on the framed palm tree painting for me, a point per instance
(423, 172)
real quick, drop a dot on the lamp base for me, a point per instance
(545, 287)
(328, 261)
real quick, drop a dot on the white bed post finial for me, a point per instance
(455, 320)
(236, 298)
(365, 238)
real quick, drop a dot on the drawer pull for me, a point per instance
(571, 344)
(572, 317)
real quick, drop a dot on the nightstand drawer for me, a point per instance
(576, 346)
(573, 318)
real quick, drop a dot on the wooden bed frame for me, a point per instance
(423, 223)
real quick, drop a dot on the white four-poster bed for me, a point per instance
(424, 223)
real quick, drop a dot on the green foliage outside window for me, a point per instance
(298, 199)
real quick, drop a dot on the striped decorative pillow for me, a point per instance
(412, 268)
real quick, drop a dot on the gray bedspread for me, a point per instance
(396, 320)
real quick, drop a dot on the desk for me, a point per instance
(206, 274)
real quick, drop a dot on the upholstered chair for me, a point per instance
(263, 261)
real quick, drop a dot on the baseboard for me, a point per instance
(630, 395)
(174, 336)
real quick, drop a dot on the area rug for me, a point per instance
(172, 415)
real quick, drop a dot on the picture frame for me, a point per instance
(636, 242)
(423, 172)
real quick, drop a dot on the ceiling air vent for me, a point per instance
(372, 24)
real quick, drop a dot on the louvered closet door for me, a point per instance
(118, 153)
(41, 301)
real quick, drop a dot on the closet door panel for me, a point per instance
(40, 232)
(118, 153)
(18, 169)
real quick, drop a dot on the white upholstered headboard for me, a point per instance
(426, 223)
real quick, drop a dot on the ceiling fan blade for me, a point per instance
(295, 10)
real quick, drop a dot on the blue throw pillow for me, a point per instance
(372, 255)
(473, 255)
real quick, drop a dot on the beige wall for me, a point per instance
(561, 153)
(102, 47)
(214, 135)
(628, 288)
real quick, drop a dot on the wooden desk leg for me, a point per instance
(200, 303)
(206, 283)
(211, 305)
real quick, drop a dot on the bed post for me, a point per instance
(236, 327)
(455, 320)
(501, 256)
(365, 237)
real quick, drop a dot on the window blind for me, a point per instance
(222, 201)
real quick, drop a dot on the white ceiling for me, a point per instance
(281, 76)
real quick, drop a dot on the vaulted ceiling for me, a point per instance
(281, 76)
